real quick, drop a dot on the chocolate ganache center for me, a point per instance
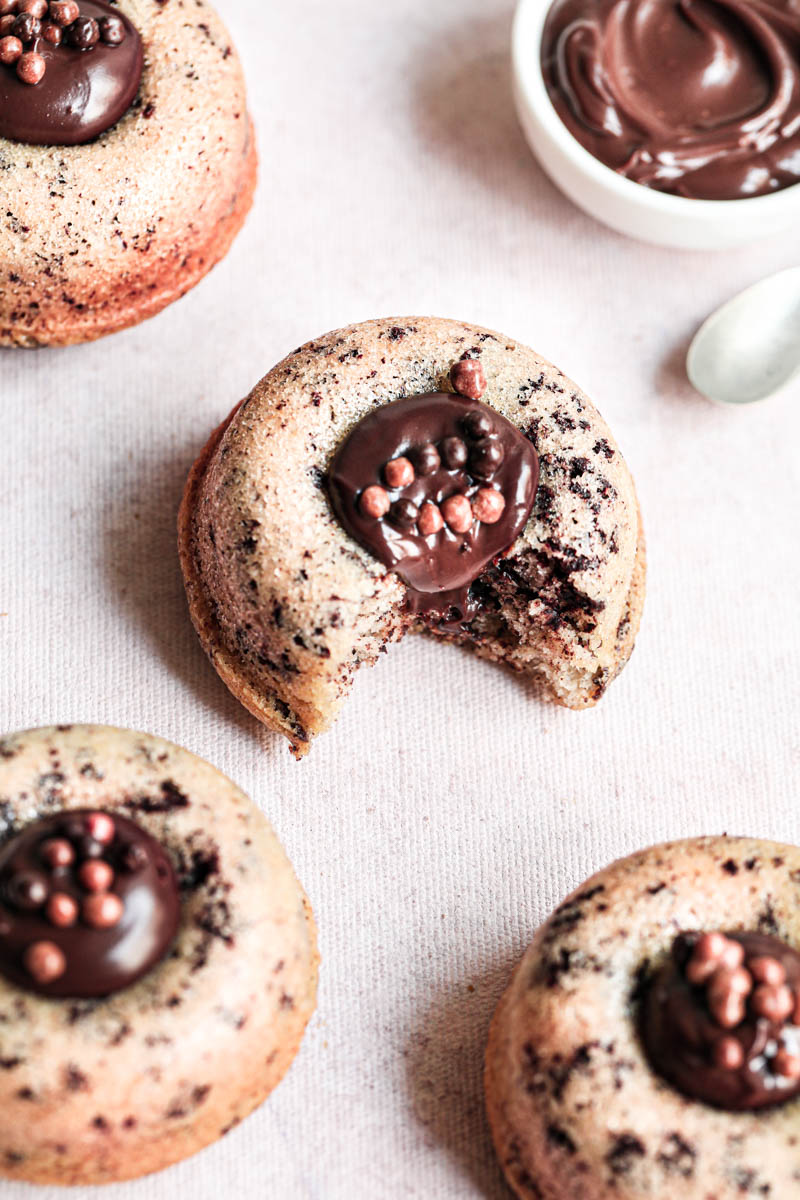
(721, 1019)
(436, 486)
(68, 70)
(89, 902)
(700, 98)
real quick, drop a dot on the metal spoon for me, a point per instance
(750, 347)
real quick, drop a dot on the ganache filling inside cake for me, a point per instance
(68, 70)
(89, 902)
(721, 1019)
(436, 487)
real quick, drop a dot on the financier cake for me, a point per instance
(158, 959)
(127, 161)
(648, 1046)
(410, 474)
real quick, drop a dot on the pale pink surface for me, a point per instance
(448, 811)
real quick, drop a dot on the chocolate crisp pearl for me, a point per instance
(52, 33)
(403, 513)
(112, 30)
(7, 6)
(767, 970)
(57, 852)
(732, 955)
(63, 12)
(728, 1054)
(427, 459)
(706, 957)
(84, 33)
(774, 1003)
(133, 857)
(31, 68)
(27, 27)
(454, 452)
(478, 424)
(486, 456)
(7, 26)
(27, 890)
(37, 8)
(10, 50)
(468, 378)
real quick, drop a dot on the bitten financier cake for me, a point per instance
(158, 959)
(127, 161)
(410, 474)
(648, 1047)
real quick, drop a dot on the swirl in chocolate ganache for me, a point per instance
(721, 1019)
(436, 486)
(89, 902)
(69, 69)
(700, 98)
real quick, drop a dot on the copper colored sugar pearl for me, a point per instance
(24, 22)
(89, 901)
(479, 452)
(468, 378)
(717, 962)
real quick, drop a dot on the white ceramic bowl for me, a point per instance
(628, 207)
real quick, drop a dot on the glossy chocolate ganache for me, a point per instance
(436, 486)
(69, 69)
(700, 98)
(89, 902)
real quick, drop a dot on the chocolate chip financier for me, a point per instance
(127, 161)
(648, 1046)
(415, 474)
(157, 955)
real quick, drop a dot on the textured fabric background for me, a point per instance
(449, 810)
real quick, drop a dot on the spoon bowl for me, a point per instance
(750, 347)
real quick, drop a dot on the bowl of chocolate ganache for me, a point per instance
(673, 121)
(69, 70)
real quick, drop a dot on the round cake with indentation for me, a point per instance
(158, 957)
(127, 161)
(410, 474)
(648, 1046)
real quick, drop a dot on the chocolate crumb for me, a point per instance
(559, 1137)
(74, 1079)
(625, 1150)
